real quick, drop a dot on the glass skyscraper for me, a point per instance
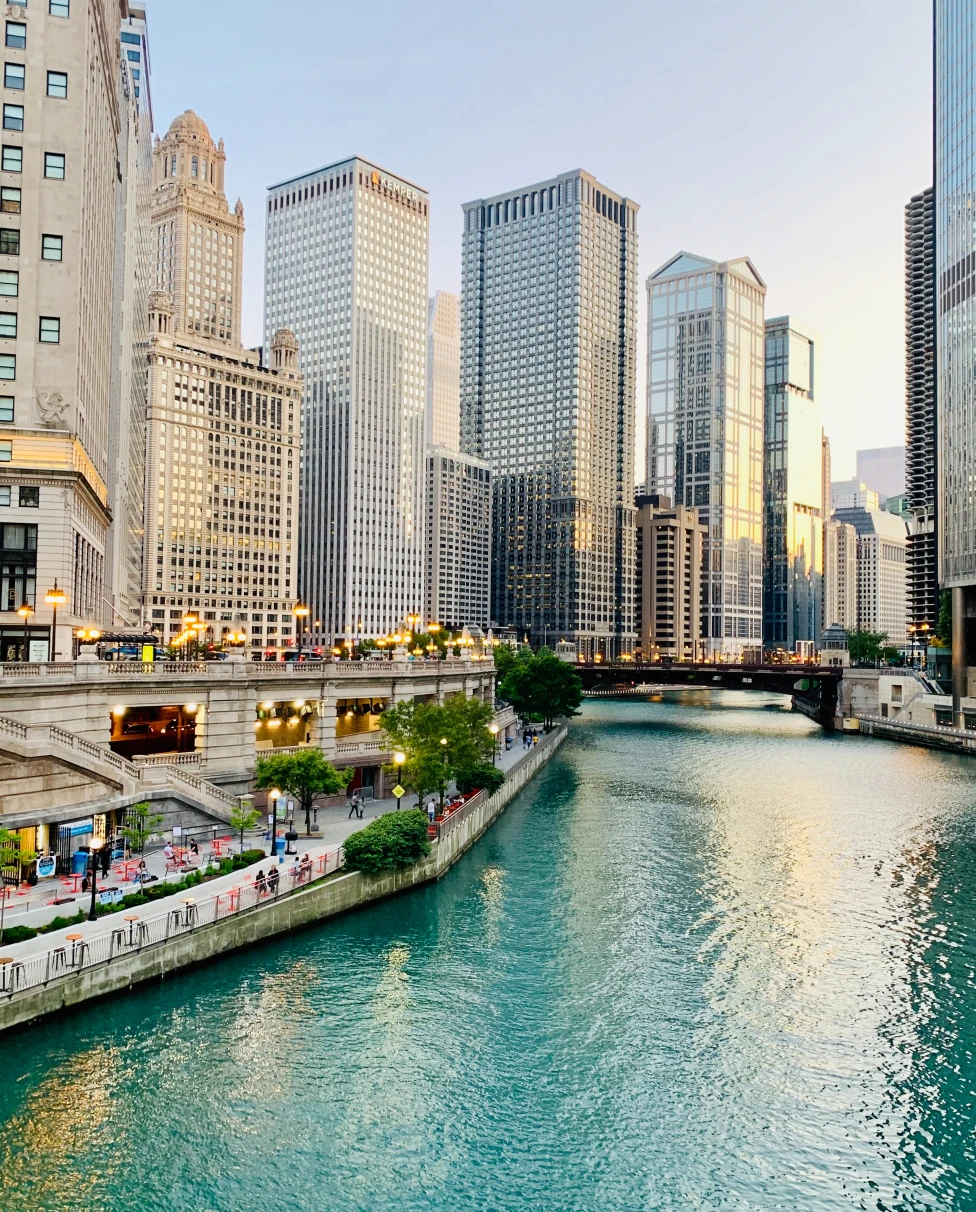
(346, 269)
(955, 303)
(705, 390)
(793, 507)
(548, 381)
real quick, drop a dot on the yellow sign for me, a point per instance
(375, 177)
(399, 791)
(148, 653)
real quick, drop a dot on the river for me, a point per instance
(709, 959)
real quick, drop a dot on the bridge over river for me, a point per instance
(813, 688)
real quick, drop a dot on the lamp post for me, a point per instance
(54, 598)
(25, 613)
(398, 759)
(924, 629)
(493, 729)
(301, 613)
(92, 869)
(274, 795)
(444, 780)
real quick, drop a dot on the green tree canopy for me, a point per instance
(244, 816)
(140, 825)
(305, 775)
(943, 628)
(420, 730)
(866, 647)
(542, 687)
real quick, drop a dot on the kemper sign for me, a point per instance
(394, 186)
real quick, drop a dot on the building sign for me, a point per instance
(46, 866)
(77, 828)
(394, 186)
(38, 651)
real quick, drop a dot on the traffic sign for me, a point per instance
(398, 791)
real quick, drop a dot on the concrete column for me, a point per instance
(324, 725)
(960, 655)
(229, 732)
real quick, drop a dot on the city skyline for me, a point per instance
(835, 206)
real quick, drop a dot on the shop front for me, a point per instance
(283, 724)
(143, 731)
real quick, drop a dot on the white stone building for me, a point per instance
(442, 426)
(882, 542)
(346, 270)
(458, 539)
(840, 575)
(223, 431)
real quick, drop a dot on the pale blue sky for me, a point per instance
(792, 133)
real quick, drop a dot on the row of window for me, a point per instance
(57, 8)
(15, 74)
(12, 161)
(28, 497)
(49, 331)
(52, 247)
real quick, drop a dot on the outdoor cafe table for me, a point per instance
(128, 867)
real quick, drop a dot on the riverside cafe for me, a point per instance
(62, 847)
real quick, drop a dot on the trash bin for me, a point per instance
(280, 847)
(79, 862)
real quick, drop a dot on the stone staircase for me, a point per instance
(47, 770)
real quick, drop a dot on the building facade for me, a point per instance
(705, 391)
(59, 182)
(670, 541)
(853, 494)
(882, 543)
(921, 446)
(130, 327)
(793, 478)
(883, 469)
(223, 441)
(840, 575)
(442, 422)
(458, 539)
(346, 269)
(548, 380)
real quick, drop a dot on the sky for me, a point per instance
(790, 133)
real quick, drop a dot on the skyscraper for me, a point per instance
(840, 575)
(223, 432)
(548, 365)
(883, 469)
(705, 396)
(442, 424)
(881, 547)
(458, 539)
(955, 303)
(668, 579)
(59, 183)
(346, 269)
(920, 452)
(793, 506)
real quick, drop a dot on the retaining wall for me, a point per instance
(313, 904)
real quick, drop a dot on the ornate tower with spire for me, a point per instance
(198, 239)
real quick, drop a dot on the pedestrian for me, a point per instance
(535, 738)
(359, 806)
(431, 811)
(259, 881)
(105, 858)
(352, 807)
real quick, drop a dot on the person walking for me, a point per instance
(431, 811)
(353, 807)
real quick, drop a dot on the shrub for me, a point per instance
(18, 934)
(478, 778)
(391, 841)
(59, 922)
(248, 857)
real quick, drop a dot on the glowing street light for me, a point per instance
(54, 598)
(25, 613)
(301, 613)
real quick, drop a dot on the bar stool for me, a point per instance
(77, 951)
(191, 909)
(131, 918)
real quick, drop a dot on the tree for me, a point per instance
(140, 824)
(305, 775)
(244, 816)
(396, 839)
(866, 647)
(543, 687)
(943, 628)
(439, 741)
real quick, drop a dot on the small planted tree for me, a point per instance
(542, 687)
(140, 825)
(244, 816)
(305, 775)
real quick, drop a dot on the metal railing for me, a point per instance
(939, 730)
(134, 932)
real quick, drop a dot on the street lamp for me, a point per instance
(301, 613)
(92, 866)
(274, 795)
(493, 729)
(25, 613)
(54, 598)
(190, 620)
(444, 780)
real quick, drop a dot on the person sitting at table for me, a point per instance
(142, 873)
(259, 881)
(306, 866)
(169, 852)
(273, 878)
(194, 848)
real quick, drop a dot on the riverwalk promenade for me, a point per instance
(75, 964)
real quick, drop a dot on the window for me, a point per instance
(8, 366)
(16, 35)
(54, 165)
(132, 39)
(17, 3)
(8, 326)
(7, 409)
(59, 8)
(18, 568)
(52, 248)
(9, 241)
(5, 495)
(57, 84)
(49, 331)
(9, 283)
(13, 75)
(13, 160)
(9, 200)
(13, 117)
(29, 497)
(133, 56)
(6, 452)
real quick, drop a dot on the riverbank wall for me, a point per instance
(303, 907)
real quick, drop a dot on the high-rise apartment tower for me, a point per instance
(705, 394)
(223, 431)
(668, 579)
(920, 452)
(548, 366)
(346, 269)
(793, 482)
(458, 539)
